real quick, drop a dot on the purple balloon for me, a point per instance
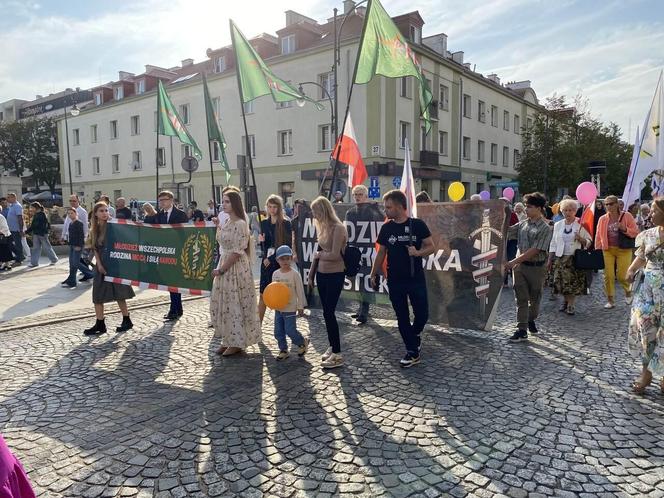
(508, 193)
(484, 195)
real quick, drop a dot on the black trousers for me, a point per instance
(176, 304)
(401, 292)
(329, 289)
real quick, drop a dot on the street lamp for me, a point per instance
(75, 111)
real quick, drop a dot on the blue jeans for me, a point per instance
(400, 293)
(75, 265)
(39, 242)
(285, 324)
(17, 246)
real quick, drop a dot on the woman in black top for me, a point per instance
(39, 229)
(276, 231)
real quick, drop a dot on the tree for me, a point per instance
(43, 161)
(562, 141)
(14, 146)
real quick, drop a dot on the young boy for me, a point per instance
(76, 242)
(285, 320)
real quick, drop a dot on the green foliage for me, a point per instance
(15, 141)
(562, 141)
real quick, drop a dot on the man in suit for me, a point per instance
(170, 215)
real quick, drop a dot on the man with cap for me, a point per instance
(529, 267)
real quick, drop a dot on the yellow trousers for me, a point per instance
(620, 258)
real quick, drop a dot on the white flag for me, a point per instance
(635, 179)
(408, 183)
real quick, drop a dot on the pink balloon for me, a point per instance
(508, 193)
(484, 195)
(586, 193)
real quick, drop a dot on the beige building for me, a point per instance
(476, 134)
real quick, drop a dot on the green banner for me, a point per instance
(178, 258)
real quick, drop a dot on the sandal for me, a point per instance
(231, 351)
(222, 349)
(639, 386)
(563, 307)
(570, 310)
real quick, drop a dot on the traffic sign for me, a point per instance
(373, 181)
(396, 181)
(374, 192)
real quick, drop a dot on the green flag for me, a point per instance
(214, 130)
(256, 79)
(170, 124)
(384, 51)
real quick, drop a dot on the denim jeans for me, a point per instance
(75, 265)
(17, 246)
(329, 289)
(39, 242)
(285, 324)
(400, 293)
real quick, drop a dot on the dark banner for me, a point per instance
(177, 258)
(464, 274)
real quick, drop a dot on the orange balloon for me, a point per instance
(276, 296)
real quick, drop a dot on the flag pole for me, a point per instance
(206, 97)
(157, 150)
(335, 171)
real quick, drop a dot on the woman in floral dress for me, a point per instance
(646, 326)
(233, 305)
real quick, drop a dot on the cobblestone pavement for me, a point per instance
(154, 412)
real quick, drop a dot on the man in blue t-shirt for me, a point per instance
(405, 241)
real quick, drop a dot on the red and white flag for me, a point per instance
(408, 184)
(350, 155)
(587, 220)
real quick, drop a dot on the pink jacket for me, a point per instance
(602, 236)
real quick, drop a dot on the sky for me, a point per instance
(609, 51)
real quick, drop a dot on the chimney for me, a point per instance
(438, 43)
(349, 6)
(458, 57)
(494, 77)
(187, 62)
(125, 75)
(37, 97)
(467, 65)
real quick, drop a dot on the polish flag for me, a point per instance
(349, 154)
(587, 220)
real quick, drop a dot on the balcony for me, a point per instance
(429, 158)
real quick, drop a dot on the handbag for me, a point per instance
(588, 259)
(625, 241)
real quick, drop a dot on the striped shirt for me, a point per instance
(535, 234)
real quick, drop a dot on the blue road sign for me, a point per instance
(396, 181)
(373, 181)
(374, 192)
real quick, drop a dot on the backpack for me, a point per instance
(351, 257)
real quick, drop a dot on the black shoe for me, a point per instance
(532, 328)
(125, 325)
(409, 360)
(361, 319)
(98, 329)
(171, 317)
(85, 279)
(519, 336)
(354, 315)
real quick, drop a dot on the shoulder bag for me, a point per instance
(625, 241)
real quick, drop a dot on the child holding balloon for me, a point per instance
(287, 287)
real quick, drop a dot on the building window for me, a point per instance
(93, 134)
(96, 169)
(517, 157)
(415, 34)
(186, 150)
(466, 148)
(494, 116)
(284, 105)
(97, 98)
(184, 113)
(161, 157)
(325, 138)
(285, 142)
(216, 151)
(114, 129)
(444, 102)
(252, 145)
(480, 151)
(136, 162)
(517, 124)
(115, 163)
(506, 156)
(326, 80)
(494, 153)
(466, 106)
(288, 44)
(442, 143)
(249, 107)
(118, 93)
(140, 87)
(424, 145)
(529, 123)
(77, 167)
(481, 111)
(135, 125)
(76, 136)
(506, 120)
(404, 133)
(220, 64)
(405, 87)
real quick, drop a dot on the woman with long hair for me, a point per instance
(103, 291)
(646, 334)
(233, 300)
(39, 228)
(608, 238)
(328, 269)
(276, 231)
(149, 213)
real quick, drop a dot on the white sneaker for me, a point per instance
(333, 361)
(326, 354)
(609, 306)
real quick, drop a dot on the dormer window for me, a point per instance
(118, 93)
(97, 98)
(288, 44)
(220, 64)
(415, 34)
(140, 87)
